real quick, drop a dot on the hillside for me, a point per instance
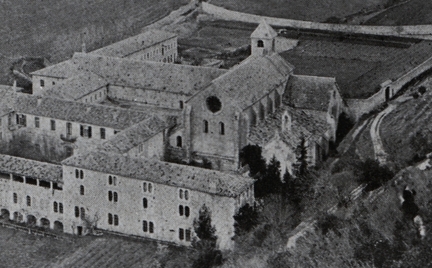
(311, 10)
(56, 28)
(412, 12)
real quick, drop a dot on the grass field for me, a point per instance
(412, 12)
(19, 249)
(56, 28)
(313, 10)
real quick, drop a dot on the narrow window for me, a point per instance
(205, 126)
(82, 129)
(89, 132)
(81, 189)
(222, 128)
(76, 173)
(55, 207)
(150, 187)
(53, 83)
(260, 43)
(68, 128)
(181, 233)
(110, 196)
(188, 235)
(102, 133)
(145, 187)
(81, 174)
(151, 227)
(179, 141)
(186, 194)
(82, 213)
(110, 181)
(37, 122)
(145, 226)
(114, 180)
(15, 198)
(77, 212)
(110, 219)
(61, 208)
(145, 203)
(181, 210)
(42, 83)
(116, 220)
(187, 212)
(181, 104)
(181, 194)
(53, 125)
(115, 197)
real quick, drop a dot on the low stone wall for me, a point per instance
(417, 31)
(359, 107)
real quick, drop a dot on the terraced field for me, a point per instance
(57, 28)
(312, 10)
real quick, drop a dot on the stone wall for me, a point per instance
(162, 207)
(417, 31)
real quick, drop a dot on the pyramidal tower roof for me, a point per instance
(264, 31)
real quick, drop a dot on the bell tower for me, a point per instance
(263, 40)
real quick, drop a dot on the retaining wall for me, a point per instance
(417, 31)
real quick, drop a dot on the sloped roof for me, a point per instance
(305, 123)
(133, 44)
(6, 99)
(94, 114)
(309, 92)
(254, 78)
(30, 168)
(264, 31)
(199, 179)
(168, 77)
(134, 135)
(76, 87)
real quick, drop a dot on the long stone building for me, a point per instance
(121, 118)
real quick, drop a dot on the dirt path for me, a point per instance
(378, 146)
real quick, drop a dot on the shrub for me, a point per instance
(245, 219)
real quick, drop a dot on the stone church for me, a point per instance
(124, 113)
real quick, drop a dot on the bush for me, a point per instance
(245, 219)
(374, 174)
(422, 90)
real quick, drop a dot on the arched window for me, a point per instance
(145, 203)
(181, 194)
(115, 197)
(145, 187)
(205, 126)
(77, 212)
(187, 211)
(181, 210)
(110, 218)
(179, 141)
(181, 104)
(61, 208)
(260, 43)
(145, 226)
(186, 194)
(81, 189)
(110, 180)
(82, 213)
(15, 198)
(110, 196)
(28, 201)
(55, 207)
(81, 174)
(221, 128)
(150, 187)
(151, 227)
(77, 173)
(116, 220)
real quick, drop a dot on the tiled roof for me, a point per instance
(264, 31)
(199, 179)
(134, 135)
(251, 80)
(6, 99)
(168, 77)
(76, 87)
(305, 123)
(309, 92)
(30, 168)
(94, 114)
(133, 44)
